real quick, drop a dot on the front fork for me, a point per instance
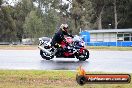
(81, 50)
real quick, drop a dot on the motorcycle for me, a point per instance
(74, 48)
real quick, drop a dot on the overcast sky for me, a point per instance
(12, 2)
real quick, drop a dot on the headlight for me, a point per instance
(82, 43)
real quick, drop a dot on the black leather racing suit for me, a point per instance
(59, 37)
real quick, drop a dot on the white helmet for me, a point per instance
(64, 27)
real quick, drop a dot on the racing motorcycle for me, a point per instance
(74, 49)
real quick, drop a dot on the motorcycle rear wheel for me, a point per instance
(46, 56)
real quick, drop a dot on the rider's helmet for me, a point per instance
(64, 27)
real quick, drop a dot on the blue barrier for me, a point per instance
(125, 44)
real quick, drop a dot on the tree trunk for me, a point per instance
(115, 15)
(100, 21)
(75, 23)
(100, 18)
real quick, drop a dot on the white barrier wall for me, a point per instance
(103, 37)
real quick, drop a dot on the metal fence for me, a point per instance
(10, 43)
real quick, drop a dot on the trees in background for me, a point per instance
(21, 10)
(7, 24)
(37, 18)
(117, 13)
(24, 20)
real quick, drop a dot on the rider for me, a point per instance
(59, 36)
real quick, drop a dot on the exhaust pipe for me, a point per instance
(44, 50)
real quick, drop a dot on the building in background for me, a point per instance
(109, 37)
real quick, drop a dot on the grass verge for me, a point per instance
(112, 48)
(18, 47)
(33, 47)
(46, 79)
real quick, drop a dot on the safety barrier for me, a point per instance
(124, 44)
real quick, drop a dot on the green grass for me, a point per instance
(18, 47)
(113, 48)
(47, 79)
(32, 47)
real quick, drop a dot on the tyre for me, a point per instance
(46, 56)
(83, 56)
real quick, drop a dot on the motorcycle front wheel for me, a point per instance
(46, 56)
(83, 56)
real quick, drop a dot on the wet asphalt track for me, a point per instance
(106, 61)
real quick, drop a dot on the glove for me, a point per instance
(72, 36)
